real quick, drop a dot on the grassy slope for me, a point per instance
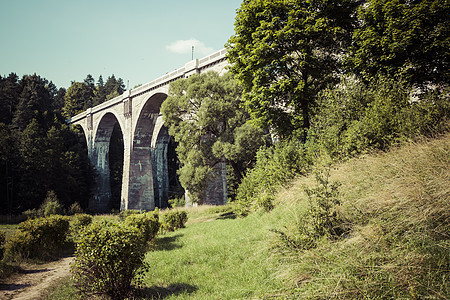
(396, 203)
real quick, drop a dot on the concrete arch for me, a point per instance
(100, 159)
(84, 131)
(143, 161)
(159, 150)
(101, 117)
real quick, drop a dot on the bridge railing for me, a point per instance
(165, 79)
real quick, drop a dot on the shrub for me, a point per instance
(125, 213)
(265, 201)
(177, 202)
(51, 205)
(173, 220)
(354, 117)
(321, 220)
(78, 223)
(275, 167)
(147, 223)
(75, 208)
(32, 213)
(38, 238)
(108, 256)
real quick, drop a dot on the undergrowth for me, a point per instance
(397, 208)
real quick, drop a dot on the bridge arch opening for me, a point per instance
(149, 171)
(82, 195)
(107, 157)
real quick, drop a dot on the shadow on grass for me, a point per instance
(166, 243)
(161, 292)
(225, 216)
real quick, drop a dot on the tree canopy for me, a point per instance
(38, 151)
(83, 95)
(408, 40)
(284, 52)
(204, 116)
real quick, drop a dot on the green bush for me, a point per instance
(321, 220)
(108, 257)
(78, 223)
(147, 223)
(51, 205)
(177, 202)
(173, 220)
(125, 213)
(354, 117)
(38, 238)
(74, 209)
(32, 213)
(275, 167)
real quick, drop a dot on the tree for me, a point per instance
(284, 52)
(34, 100)
(114, 87)
(9, 91)
(73, 100)
(7, 161)
(58, 102)
(88, 91)
(99, 93)
(204, 116)
(404, 39)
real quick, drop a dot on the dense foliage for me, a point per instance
(284, 52)
(108, 257)
(173, 220)
(38, 151)
(405, 39)
(83, 95)
(38, 238)
(148, 224)
(204, 116)
(352, 76)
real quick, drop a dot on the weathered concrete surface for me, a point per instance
(145, 180)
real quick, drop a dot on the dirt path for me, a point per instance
(34, 280)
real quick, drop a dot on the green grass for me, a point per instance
(216, 259)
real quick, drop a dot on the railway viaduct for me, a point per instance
(145, 167)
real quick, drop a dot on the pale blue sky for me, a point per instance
(135, 40)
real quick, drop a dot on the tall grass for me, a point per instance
(398, 206)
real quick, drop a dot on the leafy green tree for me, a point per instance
(38, 151)
(7, 164)
(204, 116)
(284, 52)
(58, 102)
(406, 39)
